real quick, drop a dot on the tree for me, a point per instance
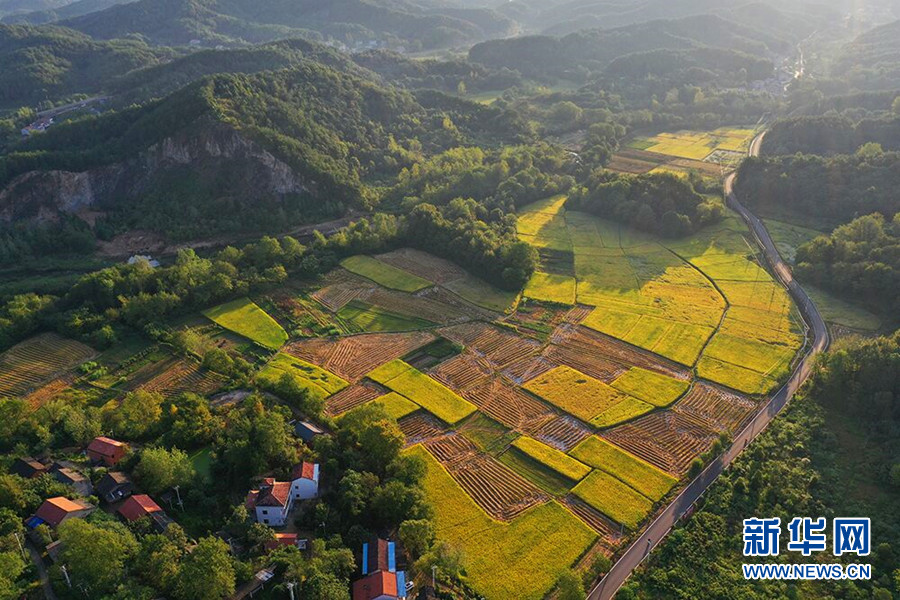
(160, 469)
(158, 562)
(95, 555)
(191, 423)
(417, 536)
(206, 573)
(569, 587)
(137, 415)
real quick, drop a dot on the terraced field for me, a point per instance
(30, 364)
(247, 319)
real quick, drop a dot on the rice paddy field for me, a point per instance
(317, 381)
(245, 318)
(384, 274)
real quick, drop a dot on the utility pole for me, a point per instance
(291, 589)
(65, 573)
(178, 494)
(433, 571)
(21, 548)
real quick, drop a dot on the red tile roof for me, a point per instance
(109, 449)
(54, 510)
(282, 539)
(271, 493)
(304, 470)
(138, 506)
(377, 584)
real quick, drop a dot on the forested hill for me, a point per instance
(593, 50)
(47, 62)
(241, 152)
(354, 22)
(872, 60)
(36, 15)
(831, 134)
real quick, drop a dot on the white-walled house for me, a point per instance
(305, 481)
(271, 503)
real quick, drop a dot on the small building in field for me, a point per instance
(28, 468)
(305, 481)
(114, 486)
(57, 510)
(307, 431)
(75, 479)
(106, 451)
(271, 503)
(380, 578)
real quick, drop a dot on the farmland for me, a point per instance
(613, 498)
(574, 392)
(511, 559)
(384, 274)
(641, 476)
(552, 458)
(423, 390)
(34, 362)
(245, 318)
(317, 381)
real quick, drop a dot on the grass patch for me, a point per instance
(613, 498)
(245, 318)
(487, 434)
(395, 405)
(550, 287)
(202, 462)
(315, 380)
(653, 388)
(483, 294)
(642, 476)
(385, 274)
(539, 474)
(504, 560)
(552, 458)
(626, 410)
(375, 319)
(574, 392)
(840, 312)
(431, 395)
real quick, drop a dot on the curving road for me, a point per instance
(818, 341)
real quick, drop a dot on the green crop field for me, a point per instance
(626, 410)
(574, 392)
(613, 498)
(504, 560)
(482, 294)
(385, 274)
(317, 381)
(537, 473)
(486, 433)
(431, 395)
(552, 458)
(369, 318)
(551, 287)
(245, 318)
(641, 476)
(654, 388)
(395, 405)
(696, 145)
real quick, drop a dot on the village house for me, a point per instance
(380, 578)
(307, 431)
(140, 506)
(286, 539)
(73, 478)
(27, 468)
(305, 481)
(114, 486)
(271, 503)
(106, 451)
(57, 510)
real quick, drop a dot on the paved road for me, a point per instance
(818, 341)
(42, 571)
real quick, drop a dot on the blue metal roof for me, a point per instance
(401, 584)
(392, 557)
(365, 560)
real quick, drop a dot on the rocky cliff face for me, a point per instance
(211, 149)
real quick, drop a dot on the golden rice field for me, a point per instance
(697, 145)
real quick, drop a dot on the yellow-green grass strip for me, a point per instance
(388, 371)
(626, 410)
(552, 458)
(428, 393)
(317, 381)
(574, 392)
(504, 560)
(480, 293)
(245, 318)
(395, 405)
(735, 377)
(640, 475)
(613, 498)
(551, 287)
(539, 474)
(649, 386)
(384, 274)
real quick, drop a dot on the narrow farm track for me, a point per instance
(818, 338)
